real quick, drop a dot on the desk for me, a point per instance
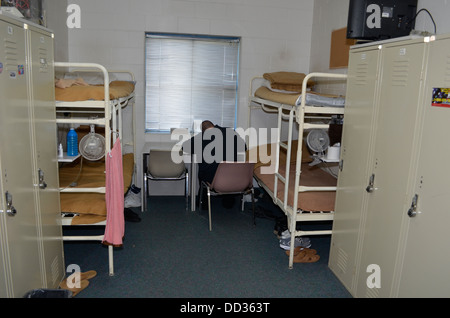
(188, 158)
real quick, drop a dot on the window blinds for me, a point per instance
(188, 78)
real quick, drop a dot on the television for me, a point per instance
(374, 20)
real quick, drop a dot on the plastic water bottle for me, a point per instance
(60, 151)
(72, 143)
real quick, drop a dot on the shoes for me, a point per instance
(285, 241)
(280, 226)
(83, 283)
(304, 257)
(300, 249)
(88, 275)
(133, 198)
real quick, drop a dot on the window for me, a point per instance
(190, 77)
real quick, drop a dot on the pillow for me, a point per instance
(288, 81)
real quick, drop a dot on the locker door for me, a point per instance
(45, 146)
(4, 272)
(21, 251)
(360, 111)
(402, 66)
(427, 258)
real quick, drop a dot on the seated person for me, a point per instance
(212, 146)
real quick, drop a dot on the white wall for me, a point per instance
(330, 15)
(440, 10)
(54, 13)
(276, 35)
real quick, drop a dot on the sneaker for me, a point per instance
(135, 189)
(132, 200)
(285, 234)
(299, 241)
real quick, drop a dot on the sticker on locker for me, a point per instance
(441, 97)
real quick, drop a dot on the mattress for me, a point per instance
(258, 154)
(310, 176)
(117, 89)
(90, 207)
(295, 99)
(287, 81)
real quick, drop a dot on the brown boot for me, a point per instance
(75, 291)
(299, 249)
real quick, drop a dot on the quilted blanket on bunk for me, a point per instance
(259, 155)
(91, 207)
(310, 176)
(74, 93)
(287, 81)
(294, 99)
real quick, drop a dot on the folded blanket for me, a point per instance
(289, 81)
(261, 153)
(117, 89)
(295, 99)
(65, 83)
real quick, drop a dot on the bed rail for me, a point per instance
(297, 113)
(106, 113)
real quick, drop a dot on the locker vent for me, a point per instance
(362, 71)
(400, 73)
(373, 292)
(55, 271)
(447, 73)
(11, 54)
(342, 260)
(43, 60)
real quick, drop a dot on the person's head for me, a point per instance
(206, 125)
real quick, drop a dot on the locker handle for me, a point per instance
(370, 188)
(42, 184)
(10, 210)
(412, 211)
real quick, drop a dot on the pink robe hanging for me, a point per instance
(115, 220)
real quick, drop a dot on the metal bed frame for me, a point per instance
(108, 113)
(299, 114)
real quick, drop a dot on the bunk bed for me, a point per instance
(84, 186)
(304, 192)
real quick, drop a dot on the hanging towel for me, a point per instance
(115, 221)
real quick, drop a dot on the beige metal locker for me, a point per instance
(30, 237)
(40, 48)
(426, 259)
(19, 231)
(356, 154)
(394, 154)
(378, 249)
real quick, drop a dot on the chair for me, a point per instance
(230, 178)
(160, 167)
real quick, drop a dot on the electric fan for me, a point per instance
(318, 140)
(92, 146)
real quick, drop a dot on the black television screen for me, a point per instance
(380, 19)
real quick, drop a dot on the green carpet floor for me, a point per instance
(172, 254)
